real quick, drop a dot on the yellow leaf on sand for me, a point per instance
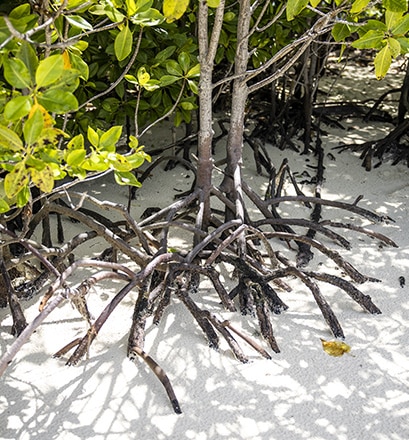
(335, 348)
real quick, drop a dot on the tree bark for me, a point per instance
(232, 182)
(207, 53)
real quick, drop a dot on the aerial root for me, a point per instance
(159, 373)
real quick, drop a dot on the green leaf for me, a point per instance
(294, 7)
(16, 73)
(358, 6)
(173, 68)
(382, 62)
(151, 85)
(213, 3)
(119, 162)
(93, 137)
(184, 61)
(4, 206)
(33, 127)
(27, 54)
(186, 105)
(371, 40)
(340, 31)
(17, 108)
(194, 72)
(404, 44)
(23, 197)
(143, 76)
(76, 143)
(44, 179)
(20, 11)
(174, 9)
(130, 7)
(167, 80)
(109, 139)
(58, 101)
(49, 70)
(151, 17)
(16, 180)
(126, 178)
(131, 79)
(79, 64)
(123, 43)
(143, 5)
(392, 19)
(193, 86)
(75, 157)
(394, 47)
(79, 22)
(165, 54)
(401, 27)
(95, 162)
(395, 5)
(10, 140)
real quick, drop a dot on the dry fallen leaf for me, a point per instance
(335, 348)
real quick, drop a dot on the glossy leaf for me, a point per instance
(371, 40)
(340, 31)
(402, 26)
(294, 7)
(143, 76)
(123, 43)
(194, 72)
(10, 140)
(395, 5)
(49, 70)
(78, 63)
(151, 17)
(126, 178)
(382, 62)
(23, 196)
(394, 47)
(173, 68)
(213, 3)
(93, 137)
(58, 101)
(130, 7)
(167, 80)
(184, 61)
(119, 162)
(27, 54)
(165, 54)
(392, 19)
(79, 22)
(108, 140)
(17, 108)
(33, 127)
(4, 206)
(174, 9)
(358, 6)
(16, 73)
(75, 157)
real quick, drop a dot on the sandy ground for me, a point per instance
(302, 393)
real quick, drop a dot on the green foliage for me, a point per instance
(60, 117)
(37, 87)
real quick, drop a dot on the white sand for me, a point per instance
(302, 393)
